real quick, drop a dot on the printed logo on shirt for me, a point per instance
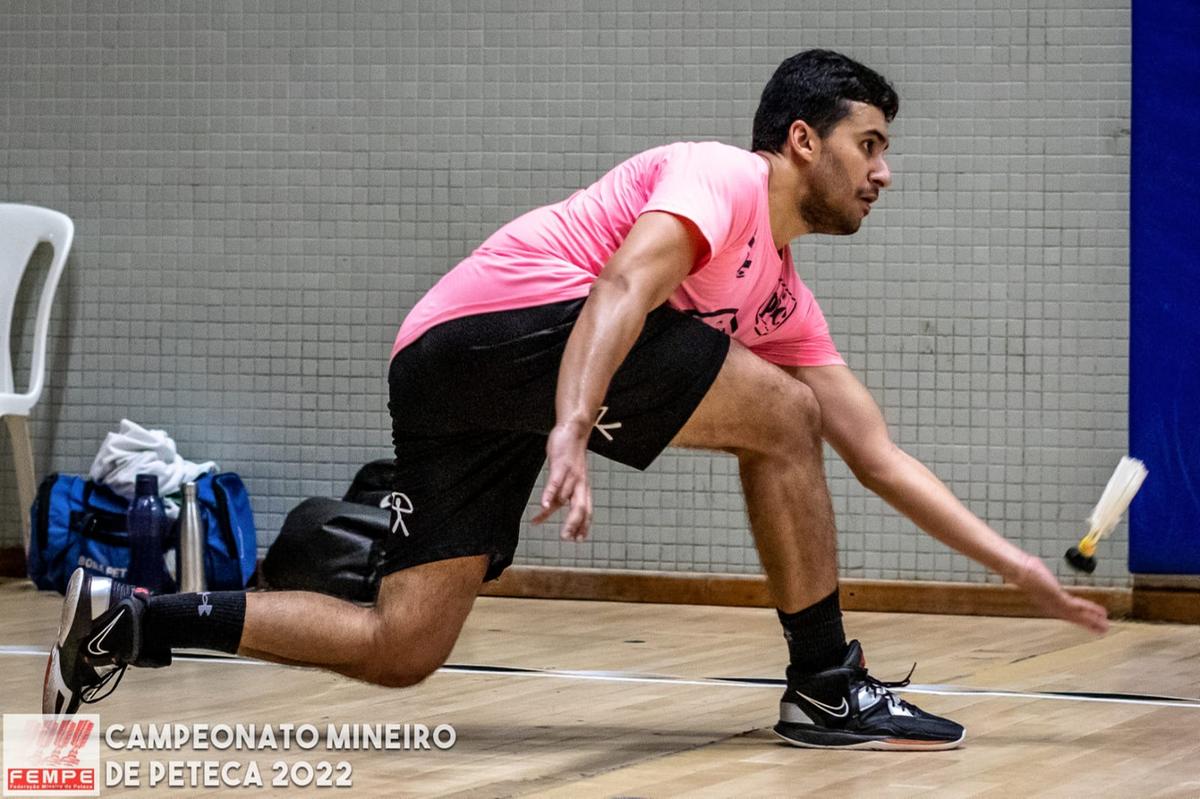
(724, 320)
(775, 311)
(741, 272)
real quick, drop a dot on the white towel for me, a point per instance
(134, 450)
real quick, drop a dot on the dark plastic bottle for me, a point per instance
(147, 528)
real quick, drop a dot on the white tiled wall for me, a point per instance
(262, 189)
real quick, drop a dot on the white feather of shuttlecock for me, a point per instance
(1120, 491)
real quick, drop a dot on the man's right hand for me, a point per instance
(566, 456)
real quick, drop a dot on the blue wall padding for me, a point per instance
(1164, 374)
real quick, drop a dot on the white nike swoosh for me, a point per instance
(838, 711)
(93, 646)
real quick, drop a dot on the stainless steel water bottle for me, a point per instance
(191, 543)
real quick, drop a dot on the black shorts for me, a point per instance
(472, 401)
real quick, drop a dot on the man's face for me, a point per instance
(847, 173)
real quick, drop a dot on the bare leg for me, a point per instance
(406, 636)
(796, 541)
(771, 422)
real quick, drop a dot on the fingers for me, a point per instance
(560, 487)
(579, 518)
(568, 487)
(550, 499)
(1097, 617)
(1086, 614)
(1047, 592)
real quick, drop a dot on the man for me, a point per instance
(657, 307)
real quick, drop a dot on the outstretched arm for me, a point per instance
(854, 426)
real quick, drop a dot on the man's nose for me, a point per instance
(881, 176)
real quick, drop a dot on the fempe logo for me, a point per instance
(49, 756)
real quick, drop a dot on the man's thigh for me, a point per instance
(750, 404)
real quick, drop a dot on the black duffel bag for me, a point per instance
(333, 546)
(373, 484)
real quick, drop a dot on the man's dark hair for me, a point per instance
(815, 86)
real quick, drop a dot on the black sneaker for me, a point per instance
(100, 633)
(846, 708)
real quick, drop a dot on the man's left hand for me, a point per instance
(1051, 597)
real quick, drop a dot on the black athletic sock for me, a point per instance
(815, 638)
(212, 620)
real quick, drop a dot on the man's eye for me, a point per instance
(869, 146)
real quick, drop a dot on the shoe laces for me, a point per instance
(882, 688)
(88, 694)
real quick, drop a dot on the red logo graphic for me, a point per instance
(44, 755)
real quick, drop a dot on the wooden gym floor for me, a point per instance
(545, 735)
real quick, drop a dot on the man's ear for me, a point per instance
(803, 141)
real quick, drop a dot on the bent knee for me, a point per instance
(788, 419)
(400, 659)
(399, 675)
(805, 408)
(401, 669)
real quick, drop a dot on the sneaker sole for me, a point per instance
(849, 741)
(57, 697)
(70, 605)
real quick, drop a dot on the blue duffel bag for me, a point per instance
(78, 522)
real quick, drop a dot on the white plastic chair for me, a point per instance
(22, 228)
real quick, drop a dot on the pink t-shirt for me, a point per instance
(746, 288)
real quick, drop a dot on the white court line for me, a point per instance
(627, 677)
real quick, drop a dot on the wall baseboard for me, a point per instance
(1180, 605)
(751, 591)
(1177, 605)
